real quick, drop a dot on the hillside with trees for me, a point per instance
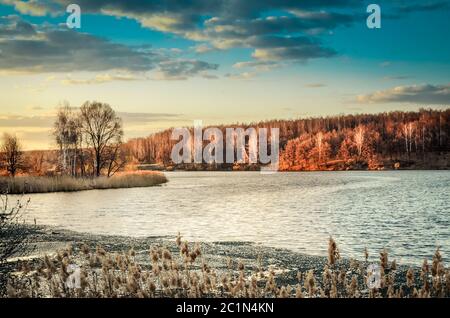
(414, 140)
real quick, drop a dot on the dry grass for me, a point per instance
(28, 184)
(186, 273)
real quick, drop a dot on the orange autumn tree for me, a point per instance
(366, 141)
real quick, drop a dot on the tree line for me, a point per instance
(364, 140)
(90, 142)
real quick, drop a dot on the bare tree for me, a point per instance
(319, 138)
(67, 131)
(408, 130)
(12, 154)
(103, 131)
(116, 159)
(359, 139)
(35, 160)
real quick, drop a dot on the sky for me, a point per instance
(166, 63)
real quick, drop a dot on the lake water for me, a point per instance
(406, 211)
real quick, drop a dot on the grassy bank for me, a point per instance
(28, 184)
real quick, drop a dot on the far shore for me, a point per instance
(439, 163)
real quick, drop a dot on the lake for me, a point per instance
(408, 212)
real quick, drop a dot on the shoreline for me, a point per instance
(285, 263)
(305, 170)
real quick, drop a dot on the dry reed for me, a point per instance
(28, 184)
(185, 273)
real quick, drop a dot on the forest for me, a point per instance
(393, 140)
(416, 139)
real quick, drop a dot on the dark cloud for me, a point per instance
(190, 10)
(400, 8)
(229, 23)
(279, 33)
(57, 50)
(25, 48)
(13, 26)
(257, 65)
(418, 94)
(420, 6)
(297, 22)
(182, 69)
(224, 24)
(293, 48)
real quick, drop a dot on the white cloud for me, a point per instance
(241, 76)
(257, 65)
(419, 94)
(104, 78)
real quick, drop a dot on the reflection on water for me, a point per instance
(406, 211)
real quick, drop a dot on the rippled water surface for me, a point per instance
(406, 211)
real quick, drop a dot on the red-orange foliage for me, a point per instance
(366, 141)
(335, 142)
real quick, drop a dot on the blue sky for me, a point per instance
(172, 62)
